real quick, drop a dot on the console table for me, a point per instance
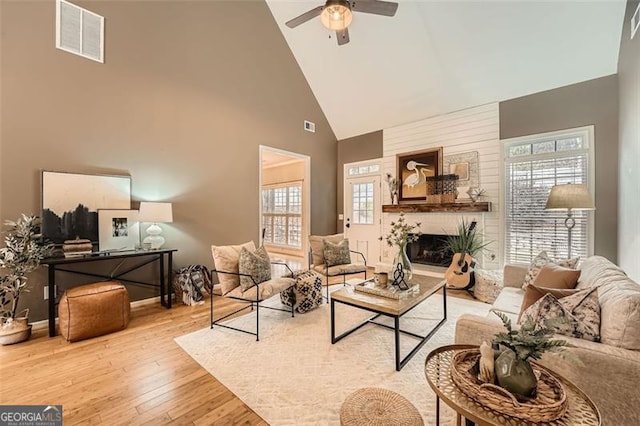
(162, 257)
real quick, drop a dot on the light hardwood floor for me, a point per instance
(136, 376)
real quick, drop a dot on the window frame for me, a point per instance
(287, 214)
(588, 135)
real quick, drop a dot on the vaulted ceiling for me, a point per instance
(435, 57)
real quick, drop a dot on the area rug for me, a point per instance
(295, 376)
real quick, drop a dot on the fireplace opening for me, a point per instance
(430, 249)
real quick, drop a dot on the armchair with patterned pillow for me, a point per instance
(330, 256)
(244, 275)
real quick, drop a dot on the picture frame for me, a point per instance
(119, 229)
(413, 168)
(466, 166)
(70, 203)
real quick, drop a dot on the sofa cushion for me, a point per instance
(336, 254)
(540, 261)
(225, 258)
(509, 301)
(257, 264)
(580, 314)
(316, 244)
(533, 293)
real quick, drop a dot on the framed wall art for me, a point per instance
(70, 203)
(466, 166)
(413, 168)
(118, 229)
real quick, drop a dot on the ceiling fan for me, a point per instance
(338, 14)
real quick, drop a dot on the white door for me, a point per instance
(362, 215)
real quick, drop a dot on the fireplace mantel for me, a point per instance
(437, 208)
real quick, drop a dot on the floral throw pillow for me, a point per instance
(540, 261)
(579, 314)
(257, 264)
(337, 254)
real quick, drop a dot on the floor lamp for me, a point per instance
(570, 196)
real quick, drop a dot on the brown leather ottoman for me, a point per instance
(93, 310)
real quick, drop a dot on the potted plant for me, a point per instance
(400, 235)
(512, 369)
(23, 251)
(467, 240)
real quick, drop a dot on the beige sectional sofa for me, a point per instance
(610, 370)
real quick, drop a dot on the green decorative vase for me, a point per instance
(515, 375)
(403, 259)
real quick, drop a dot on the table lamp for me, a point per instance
(155, 213)
(570, 196)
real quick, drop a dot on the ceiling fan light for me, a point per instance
(336, 15)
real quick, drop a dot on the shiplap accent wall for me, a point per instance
(474, 129)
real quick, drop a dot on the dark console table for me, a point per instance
(162, 257)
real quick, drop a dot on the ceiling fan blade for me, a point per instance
(342, 36)
(307, 16)
(377, 7)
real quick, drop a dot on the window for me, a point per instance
(362, 200)
(532, 166)
(282, 214)
(363, 170)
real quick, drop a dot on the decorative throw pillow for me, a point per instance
(541, 260)
(553, 275)
(316, 245)
(337, 254)
(225, 258)
(579, 314)
(257, 264)
(533, 293)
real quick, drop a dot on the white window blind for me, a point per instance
(282, 214)
(532, 166)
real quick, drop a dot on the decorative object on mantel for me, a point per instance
(438, 208)
(475, 194)
(23, 251)
(441, 189)
(466, 166)
(413, 169)
(155, 213)
(400, 235)
(394, 187)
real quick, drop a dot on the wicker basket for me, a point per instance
(549, 404)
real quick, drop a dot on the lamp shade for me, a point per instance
(336, 15)
(570, 196)
(155, 212)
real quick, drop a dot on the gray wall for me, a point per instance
(188, 92)
(629, 206)
(357, 148)
(593, 102)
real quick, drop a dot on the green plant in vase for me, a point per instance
(401, 234)
(467, 240)
(23, 251)
(512, 368)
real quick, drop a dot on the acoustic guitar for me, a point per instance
(459, 274)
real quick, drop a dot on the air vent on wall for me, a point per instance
(79, 31)
(309, 126)
(635, 21)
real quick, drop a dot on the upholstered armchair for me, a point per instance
(328, 264)
(244, 274)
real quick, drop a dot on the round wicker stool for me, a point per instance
(378, 407)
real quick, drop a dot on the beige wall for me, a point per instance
(357, 148)
(593, 102)
(290, 172)
(629, 206)
(188, 92)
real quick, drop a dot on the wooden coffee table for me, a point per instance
(581, 410)
(391, 308)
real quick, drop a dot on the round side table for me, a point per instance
(581, 410)
(378, 407)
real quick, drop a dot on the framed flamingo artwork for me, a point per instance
(414, 168)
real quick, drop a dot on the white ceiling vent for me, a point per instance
(635, 21)
(79, 31)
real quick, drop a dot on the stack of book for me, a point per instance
(77, 247)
